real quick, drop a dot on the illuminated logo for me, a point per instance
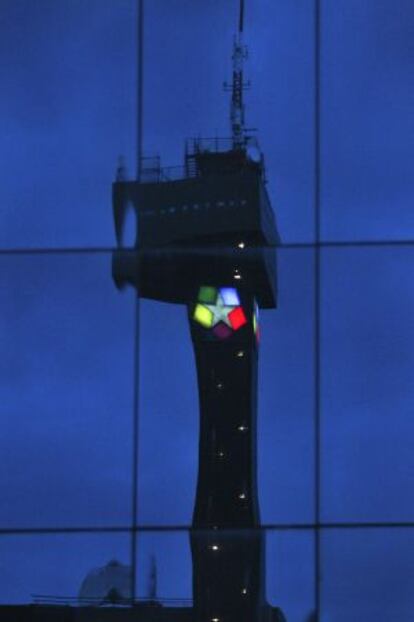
(219, 309)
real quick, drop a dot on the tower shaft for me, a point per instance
(227, 379)
(227, 547)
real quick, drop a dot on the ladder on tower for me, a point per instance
(191, 167)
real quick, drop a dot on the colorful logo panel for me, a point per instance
(219, 309)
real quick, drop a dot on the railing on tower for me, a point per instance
(151, 170)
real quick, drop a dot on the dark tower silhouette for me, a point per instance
(206, 239)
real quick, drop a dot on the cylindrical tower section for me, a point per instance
(228, 565)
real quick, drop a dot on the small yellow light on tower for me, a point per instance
(241, 245)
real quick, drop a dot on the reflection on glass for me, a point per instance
(280, 37)
(165, 570)
(367, 575)
(286, 395)
(169, 403)
(366, 120)
(62, 570)
(290, 580)
(66, 374)
(67, 109)
(367, 388)
(194, 258)
(228, 566)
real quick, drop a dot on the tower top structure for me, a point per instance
(216, 203)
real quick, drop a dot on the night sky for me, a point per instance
(67, 111)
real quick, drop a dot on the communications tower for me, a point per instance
(206, 239)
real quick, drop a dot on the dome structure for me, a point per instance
(110, 584)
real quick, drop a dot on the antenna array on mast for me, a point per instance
(237, 85)
(241, 16)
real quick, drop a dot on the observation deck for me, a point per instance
(210, 220)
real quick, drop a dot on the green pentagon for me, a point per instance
(207, 294)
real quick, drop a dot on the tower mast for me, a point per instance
(238, 86)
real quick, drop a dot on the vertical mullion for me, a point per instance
(317, 304)
(135, 439)
(136, 366)
(140, 84)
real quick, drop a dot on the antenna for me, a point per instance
(241, 16)
(238, 85)
(152, 582)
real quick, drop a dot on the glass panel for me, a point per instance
(172, 564)
(367, 575)
(169, 419)
(67, 111)
(290, 573)
(185, 66)
(367, 388)
(62, 569)
(164, 568)
(367, 120)
(168, 414)
(286, 395)
(66, 374)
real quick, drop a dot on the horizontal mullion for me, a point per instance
(166, 528)
(287, 245)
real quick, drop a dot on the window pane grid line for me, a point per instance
(283, 245)
(317, 304)
(137, 315)
(185, 528)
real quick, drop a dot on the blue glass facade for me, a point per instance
(99, 398)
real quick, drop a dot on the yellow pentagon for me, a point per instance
(203, 316)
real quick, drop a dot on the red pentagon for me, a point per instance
(237, 318)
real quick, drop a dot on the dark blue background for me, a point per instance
(68, 109)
